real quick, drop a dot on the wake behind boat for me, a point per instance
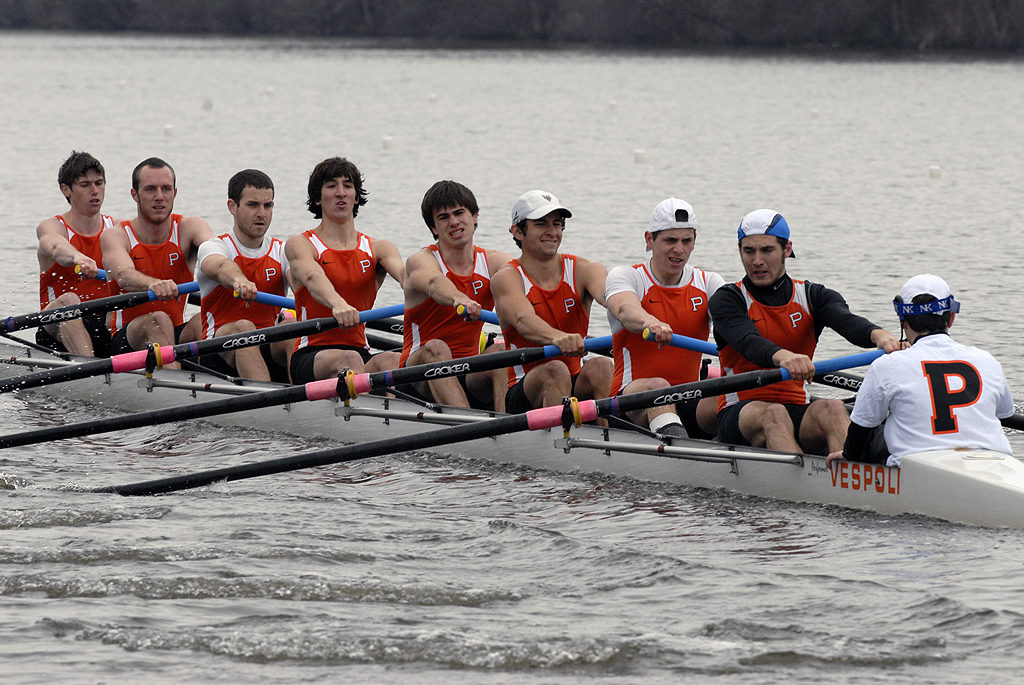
(965, 486)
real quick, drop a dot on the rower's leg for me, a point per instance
(329, 363)
(72, 334)
(595, 380)
(493, 383)
(824, 426)
(446, 390)
(767, 424)
(545, 385)
(155, 328)
(248, 361)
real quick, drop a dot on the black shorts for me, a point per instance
(515, 398)
(729, 421)
(302, 360)
(119, 341)
(278, 373)
(95, 325)
(687, 411)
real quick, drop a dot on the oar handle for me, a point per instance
(101, 274)
(183, 289)
(274, 300)
(702, 346)
(848, 362)
(486, 315)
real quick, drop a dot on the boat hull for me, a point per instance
(965, 486)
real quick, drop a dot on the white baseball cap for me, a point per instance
(925, 284)
(536, 204)
(672, 213)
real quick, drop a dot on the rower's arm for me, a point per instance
(733, 327)
(306, 272)
(389, 258)
(423, 279)
(590, 279)
(226, 271)
(193, 232)
(622, 298)
(120, 267)
(515, 311)
(54, 246)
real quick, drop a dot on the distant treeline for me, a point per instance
(900, 25)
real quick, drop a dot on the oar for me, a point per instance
(316, 390)
(97, 306)
(850, 381)
(154, 356)
(289, 303)
(546, 417)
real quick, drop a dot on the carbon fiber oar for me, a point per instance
(153, 357)
(316, 390)
(546, 417)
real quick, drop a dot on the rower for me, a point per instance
(543, 298)
(70, 242)
(663, 295)
(771, 320)
(154, 251)
(337, 271)
(233, 267)
(440, 279)
(938, 394)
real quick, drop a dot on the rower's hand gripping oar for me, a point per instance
(157, 356)
(97, 306)
(571, 412)
(345, 387)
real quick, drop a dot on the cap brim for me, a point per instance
(542, 212)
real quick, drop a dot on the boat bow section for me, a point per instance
(976, 487)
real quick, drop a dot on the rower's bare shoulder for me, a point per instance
(49, 226)
(497, 260)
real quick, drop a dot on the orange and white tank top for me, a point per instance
(58, 279)
(220, 306)
(354, 276)
(429, 320)
(163, 261)
(791, 327)
(561, 308)
(685, 309)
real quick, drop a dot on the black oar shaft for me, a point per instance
(74, 311)
(185, 412)
(269, 398)
(99, 367)
(447, 436)
(337, 455)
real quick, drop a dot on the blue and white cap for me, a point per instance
(925, 284)
(764, 222)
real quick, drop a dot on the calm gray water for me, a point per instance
(419, 569)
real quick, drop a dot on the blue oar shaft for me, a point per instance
(289, 303)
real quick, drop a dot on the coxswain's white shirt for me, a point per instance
(936, 395)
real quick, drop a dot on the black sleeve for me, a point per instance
(865, 444)
(733, 327)
(829, 309)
